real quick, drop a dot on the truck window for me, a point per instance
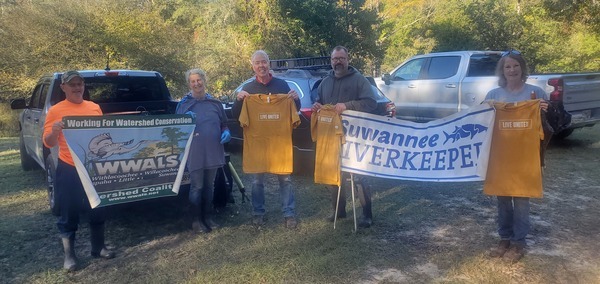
(442, 67)
(43, 94)
(482, 65)
(123, 89)
(409, 71)
(34, 102)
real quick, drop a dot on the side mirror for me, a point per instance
(18, 104)
(386, 78)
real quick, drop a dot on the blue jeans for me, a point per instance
(285, 191)
(513, 218)
(72, 201)
(201, 188)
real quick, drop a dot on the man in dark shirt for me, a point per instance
(347, 89)
(265, 83)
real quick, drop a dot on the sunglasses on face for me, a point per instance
(512, 51)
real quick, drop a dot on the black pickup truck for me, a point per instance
(116, 91)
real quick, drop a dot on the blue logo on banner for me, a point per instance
(467, 130)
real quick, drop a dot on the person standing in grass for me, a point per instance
(70, 194)
(514, 174)
(265, 84)
(346, 89)
(206, 154)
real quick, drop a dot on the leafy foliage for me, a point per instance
(172, 36)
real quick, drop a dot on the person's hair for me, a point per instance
(198, 72)
(500, 68)
(259, 52)
(339, 47)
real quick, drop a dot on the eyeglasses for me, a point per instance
(335, 59)
(512, 51)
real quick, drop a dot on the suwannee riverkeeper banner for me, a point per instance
(455, 148)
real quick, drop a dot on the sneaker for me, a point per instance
(514, 253)
(291, 223)
(501, 249)
(199, 227)
(258, 220)
(365, 223)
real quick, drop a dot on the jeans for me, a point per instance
(72, 201)
(202, 187)
(513, 218)
(285, 191)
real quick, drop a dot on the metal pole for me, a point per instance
(353, 203)
(337, 205)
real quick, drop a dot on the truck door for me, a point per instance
(439, 89)
(403, 89)
(32, 127)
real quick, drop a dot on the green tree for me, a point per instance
(173, 135)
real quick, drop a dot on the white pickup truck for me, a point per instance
(116, 91)
(435, 85)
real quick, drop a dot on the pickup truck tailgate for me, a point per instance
(582, 91)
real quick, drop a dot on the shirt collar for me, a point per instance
(267, 81)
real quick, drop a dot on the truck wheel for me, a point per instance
(563, 134)
(27, 163)
(51, 179)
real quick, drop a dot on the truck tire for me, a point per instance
(27, 163)
(51, 179)
(563, 134)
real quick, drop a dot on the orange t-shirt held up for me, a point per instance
(514, 164)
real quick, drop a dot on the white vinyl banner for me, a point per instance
(455, 148)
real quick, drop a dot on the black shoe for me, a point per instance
(514, 253)
(258, 220)
(331, 217)
(211, 224)
(199, 228)
(365, 223)
(291, 222)
(104, 253)
(501, 249)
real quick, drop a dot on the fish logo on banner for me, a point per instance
(467, 130)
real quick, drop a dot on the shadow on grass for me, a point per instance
(422, 232)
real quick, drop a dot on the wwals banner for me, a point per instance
(455, 148)
(125, 158)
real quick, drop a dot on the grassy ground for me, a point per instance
(423, 233)
(9, 123)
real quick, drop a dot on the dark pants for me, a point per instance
(202, 188)
(72, 201)
(364, 194)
